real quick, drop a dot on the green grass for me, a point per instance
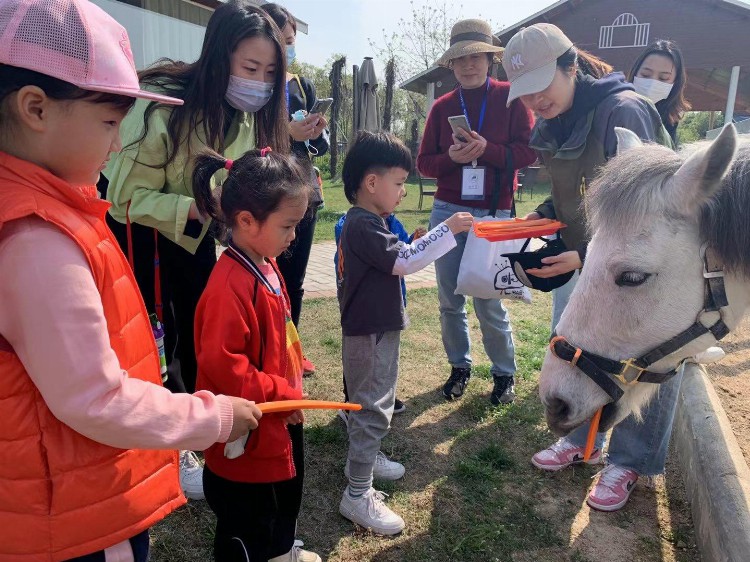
(470, 492)
(408, 212)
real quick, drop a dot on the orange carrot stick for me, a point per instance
(289, 405)
(591, 438)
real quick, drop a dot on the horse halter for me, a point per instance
(604, 372)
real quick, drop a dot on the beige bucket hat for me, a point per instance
(469, 37)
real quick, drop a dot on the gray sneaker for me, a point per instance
(384, 469)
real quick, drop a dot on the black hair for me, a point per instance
(372, 152)
(583, 61)
(203, 84)
(674, 107)
(280, 15)
(13, 78)
(257, 184)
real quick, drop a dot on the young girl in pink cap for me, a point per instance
(86, 420)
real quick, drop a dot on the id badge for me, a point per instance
(472, 183)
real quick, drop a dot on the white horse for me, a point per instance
(653, 213)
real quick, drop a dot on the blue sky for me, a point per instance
(344, 26)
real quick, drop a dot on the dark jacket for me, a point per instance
(305, 98)
(576, 144)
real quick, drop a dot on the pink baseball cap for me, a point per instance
(74, 41)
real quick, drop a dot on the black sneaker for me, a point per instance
(504, 391)
(398, 407)
(456, 384)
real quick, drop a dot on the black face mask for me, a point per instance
(520, 261)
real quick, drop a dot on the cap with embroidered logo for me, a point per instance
(74, 41)
(530, 58)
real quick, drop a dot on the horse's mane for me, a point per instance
(632, 185)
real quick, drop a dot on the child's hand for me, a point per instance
(460, 222)
(296, 417)
(418, 233)
(245, 417)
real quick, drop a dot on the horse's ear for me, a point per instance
(700, 176)
(626, 139)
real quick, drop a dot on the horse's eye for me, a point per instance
(632, 278)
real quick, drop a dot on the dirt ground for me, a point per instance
(732, 383)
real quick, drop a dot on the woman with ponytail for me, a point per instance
(247, 345)
(233, 99)
(579, 101)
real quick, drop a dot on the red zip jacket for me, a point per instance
(242, 348)
(503, 128)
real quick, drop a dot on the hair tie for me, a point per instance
(265, 151)
(228, 164)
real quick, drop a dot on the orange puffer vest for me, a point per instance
(63, 495)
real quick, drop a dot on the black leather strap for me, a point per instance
(589, 364)
(716, 296)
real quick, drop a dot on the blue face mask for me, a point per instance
(291, 54)
(248, 95)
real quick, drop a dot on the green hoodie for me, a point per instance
(160, 197)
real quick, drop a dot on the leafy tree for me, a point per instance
(695, 124)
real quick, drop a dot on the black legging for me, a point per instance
(293, 263)
(183, 278)
(256, 522)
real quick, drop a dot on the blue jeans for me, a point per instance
(560, 298)
(639, 446)
(492, 315)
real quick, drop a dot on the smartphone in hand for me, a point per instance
(459, 122)
(321, 105)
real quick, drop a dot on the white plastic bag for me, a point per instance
(486, 274)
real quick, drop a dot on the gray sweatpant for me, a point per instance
(370, 371)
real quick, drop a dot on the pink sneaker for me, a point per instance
(613, 488)
(563, 454)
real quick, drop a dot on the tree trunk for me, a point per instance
(414, 142)
(390, 78)
(335, 78)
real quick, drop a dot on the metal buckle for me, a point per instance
(627, 366)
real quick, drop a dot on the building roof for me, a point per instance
(213, 4)
(712, 34)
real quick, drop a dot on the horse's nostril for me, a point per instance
(558, 408)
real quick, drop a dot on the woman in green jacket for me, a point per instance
(233, 101)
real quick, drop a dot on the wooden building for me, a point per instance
(713, 35)
(166, 28)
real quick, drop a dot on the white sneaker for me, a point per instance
(191, 475)
(384, 468)
(297, 555)
(370, 512)
(711, 355)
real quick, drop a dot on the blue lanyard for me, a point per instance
(484, 105)
(288, 107)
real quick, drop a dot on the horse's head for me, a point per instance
(650, 211)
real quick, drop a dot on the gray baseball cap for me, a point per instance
(530, 58)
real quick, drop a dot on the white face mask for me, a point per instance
(655, 90)
(248, 95)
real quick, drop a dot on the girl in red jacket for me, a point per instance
(246, 345)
